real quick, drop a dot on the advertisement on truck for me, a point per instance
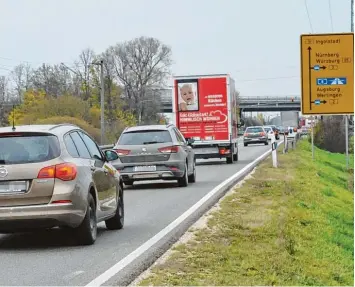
(205, 111)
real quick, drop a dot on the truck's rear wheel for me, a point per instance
(230, 159)
(235, 156)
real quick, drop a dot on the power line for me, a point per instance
(309, 17)
(1, 68)
(34, 62)
(330, 15)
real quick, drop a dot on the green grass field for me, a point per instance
(292, 225)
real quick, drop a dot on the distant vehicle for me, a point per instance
(281, 130)
(305, 130)
(270, 132)
(56, 175)
(292, 131)
(255, 135)
(276, 131)
(289, 118)
(155, 152)
(205, 109)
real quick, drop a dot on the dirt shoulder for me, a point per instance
(291, 226)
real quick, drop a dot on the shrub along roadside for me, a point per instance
(287, 226)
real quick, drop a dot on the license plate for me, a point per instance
(13, 186)
(145, 168)
(205, 150)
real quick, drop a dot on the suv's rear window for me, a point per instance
(267, 129)
(144, 137)
(254, 130)
(22, 149)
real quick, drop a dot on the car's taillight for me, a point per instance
(122, 151)
(64, 201)
(262, 134)
(246, 134)
(169, 149)
(63, 171)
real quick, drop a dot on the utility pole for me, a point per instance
(102, 99)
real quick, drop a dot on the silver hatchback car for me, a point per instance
(57, 176)
(155, 152)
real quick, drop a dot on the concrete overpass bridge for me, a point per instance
(270, 104)
(248, 104)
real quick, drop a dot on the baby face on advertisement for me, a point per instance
(187, 93)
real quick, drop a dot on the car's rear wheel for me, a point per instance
(86, 232)
(245, 144)
(192, 177)
(184, 181)
(266, 143)
(117, 221)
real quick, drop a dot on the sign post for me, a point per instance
(312, 136)
(327, 73)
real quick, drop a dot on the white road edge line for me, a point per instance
(108, 274)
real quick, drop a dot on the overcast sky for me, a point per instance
(253, 40)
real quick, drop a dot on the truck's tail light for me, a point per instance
(64, 171)
(122, 151)
(169, 149)
(224, 151)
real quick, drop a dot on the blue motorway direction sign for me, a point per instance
(331, 81)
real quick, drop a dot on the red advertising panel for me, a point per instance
(201, 108)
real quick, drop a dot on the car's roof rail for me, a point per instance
(169, 125)
(64, 124)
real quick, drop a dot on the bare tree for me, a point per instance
(329, 134)
(21, 76)
(82, 68)
(4, 100)
(141, 65)
(54, 80)
(3, 89)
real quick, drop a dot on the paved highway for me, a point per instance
(49, 258)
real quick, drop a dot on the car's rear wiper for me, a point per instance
(152, 142)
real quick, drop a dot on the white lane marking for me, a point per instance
(108, 274)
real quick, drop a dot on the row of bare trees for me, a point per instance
(135, 72)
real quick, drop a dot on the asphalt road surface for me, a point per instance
(50, 258)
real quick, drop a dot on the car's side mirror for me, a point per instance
(190, 141)
(111, 155)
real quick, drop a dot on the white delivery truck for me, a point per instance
(205, 111)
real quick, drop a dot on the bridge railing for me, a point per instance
(270, 99)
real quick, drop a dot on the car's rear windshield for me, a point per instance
(28, 148)
(254, 130)
(267, 129)
(145, 137)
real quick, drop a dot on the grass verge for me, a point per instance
(291, 226)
